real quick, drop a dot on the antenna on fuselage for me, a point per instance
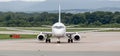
(59, 13)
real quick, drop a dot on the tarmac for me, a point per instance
(91, 44)
(53, 53)
(92, 41)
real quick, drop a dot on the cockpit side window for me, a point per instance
(58, 27)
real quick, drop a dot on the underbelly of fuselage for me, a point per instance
(58, 35)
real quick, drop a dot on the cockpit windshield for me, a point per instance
(58, 27)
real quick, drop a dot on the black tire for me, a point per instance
(48, 41)
(68, 40)
(58, 41)
(71, 40)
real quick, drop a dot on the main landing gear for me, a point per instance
(48, 40)
(70, 40)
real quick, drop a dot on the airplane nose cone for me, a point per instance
(58, 33)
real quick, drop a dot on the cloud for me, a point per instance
(23, 0)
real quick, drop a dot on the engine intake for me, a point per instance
(76, 37)
(41, 37)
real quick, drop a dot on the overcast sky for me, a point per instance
(43, 5)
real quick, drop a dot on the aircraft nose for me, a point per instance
(58, 33)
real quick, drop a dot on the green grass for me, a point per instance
(22, 36)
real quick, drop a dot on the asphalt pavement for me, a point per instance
(54, 53)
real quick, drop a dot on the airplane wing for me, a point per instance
(66, 33)
(49, 34)
(69, 33)
(46, 33)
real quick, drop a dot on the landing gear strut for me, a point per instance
(58, 40)
(48, 40)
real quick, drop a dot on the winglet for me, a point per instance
(59, 13)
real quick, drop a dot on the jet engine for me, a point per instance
(76, 37)
(41, 37)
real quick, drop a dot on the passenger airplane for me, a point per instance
(59, 31)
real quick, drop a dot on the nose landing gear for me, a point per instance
(58, 41)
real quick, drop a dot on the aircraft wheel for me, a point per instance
(48, 41)
(68, 40)
(71, 40)
(58, 41)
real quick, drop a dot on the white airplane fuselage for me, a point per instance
(58, 30)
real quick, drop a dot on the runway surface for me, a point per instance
(94, 41)
(53, 53)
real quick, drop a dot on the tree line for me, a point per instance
(87, 19)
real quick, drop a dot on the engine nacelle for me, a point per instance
(41, 37)
(76, 37)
